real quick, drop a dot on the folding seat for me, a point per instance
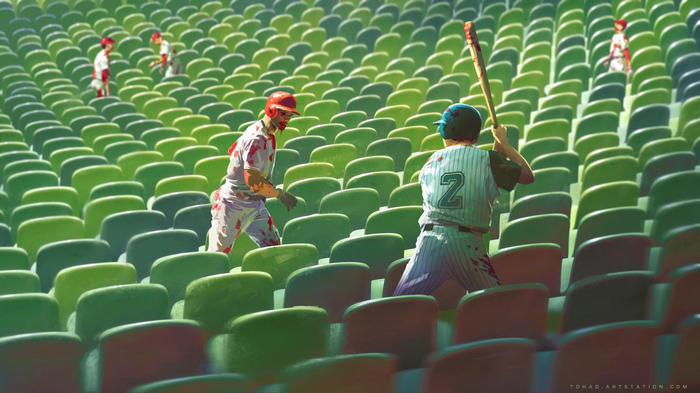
(543, 228)
(127, 303)
(180, 342)
(625, 293)
(441, 375)
(18, 281)
(30, 211)
(140, 250)
(20, 183)
(674, 215)
(321, 230)
(28, 313)
(312, 190)
(13, 258)
(379, 326)
(589, 143)
(401, 220)
(337, 154)
(34, 233)
(664, 164)
(670, 188)
(611, 254)
(375, 250)
(384, 182)
(370, 373)
(301, 330)
(46, 362)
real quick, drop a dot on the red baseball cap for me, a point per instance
(622, 22)
(283, 100)
(107, 40)
(155, 36)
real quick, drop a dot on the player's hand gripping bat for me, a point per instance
(478, 58)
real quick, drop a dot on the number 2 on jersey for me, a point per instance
(449, 200)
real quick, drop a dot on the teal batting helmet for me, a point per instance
(460, 121)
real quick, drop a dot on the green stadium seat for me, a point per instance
(57, 355)
(312, 190)
(28, 313)
(626, 304)
(611, 254)
(401, 220)
(375, 250)
(34, 233)
(302, 330)
(384, 182)
(119, 367)
(233, 383)
(20, 183)
(370, 372)
(13, 258)
(26, 212)
(140, 250)
(18, 281)
(379, 326)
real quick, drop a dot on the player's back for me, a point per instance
(458, 187)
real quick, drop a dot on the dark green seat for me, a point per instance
(610, 254)
(28, 313)
(118, 228)
(321, 230)
(18, 281)
(671, 188)
(56, 256)
(13, 258)
(100, 309)
(543, 228)
(36, 210)
(548, 180)
(375, 250)
(280, 261)
(169, 204)
(313, 190)
(624, 294)
(357, 204)
(383, 181)
(608, 222)
(144, 248)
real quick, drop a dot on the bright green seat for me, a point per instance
(190, 155)
(377, 251)
(321, 230)
(169, 146)
(312, 190)
(98, 310)
(97, 210)
(399, 149)
(84, 179)
(337, 155)
(605, 196)
(181, 183)
(304, 171)
(53, 194)
(280, 261)
(384, 182)
(415, 134)
(28, 313)
(34, 233)
(589, 143)
(609, 169)
(655, 148)
(406, 195)
(367, 165)
(357, 204)
(414, 163)
(175, 272)
(73, 281)
(27, 212)
(18, 281)
(549, 180)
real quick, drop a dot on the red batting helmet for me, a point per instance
(622, 22)
(281, 100)
(155, 36)
(106, 40)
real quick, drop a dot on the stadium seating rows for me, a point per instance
(104, 202)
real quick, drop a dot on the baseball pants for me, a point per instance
(617, 63)
(230, 218)
(444, 253)
(173, 69)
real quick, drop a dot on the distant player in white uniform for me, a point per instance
(619, 59)
(460, 184)
(239, 204)
(100, 68)
(168, 56)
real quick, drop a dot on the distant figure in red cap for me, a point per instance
(100, 70)
(619, 59)
(168, 56)
(239, 204)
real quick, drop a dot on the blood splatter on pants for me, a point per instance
(230, 218)
(445, 253)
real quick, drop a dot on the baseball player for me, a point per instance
(100, 69)
(168, 56)
(460, 184)
(239, 204)
(619, 59)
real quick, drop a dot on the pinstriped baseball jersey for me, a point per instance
(460, 184)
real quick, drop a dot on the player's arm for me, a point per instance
(502, 146)
(163, 60)
(257, 182)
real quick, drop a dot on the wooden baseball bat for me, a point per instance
(478, 58)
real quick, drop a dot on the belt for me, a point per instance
(429, 227)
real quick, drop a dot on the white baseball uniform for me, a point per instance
(100, 72)
(236, 207)
(618, 44)
(460, 184)
(171, 58)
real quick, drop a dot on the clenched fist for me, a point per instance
(287, 199)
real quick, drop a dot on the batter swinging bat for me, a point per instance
(475, 49)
